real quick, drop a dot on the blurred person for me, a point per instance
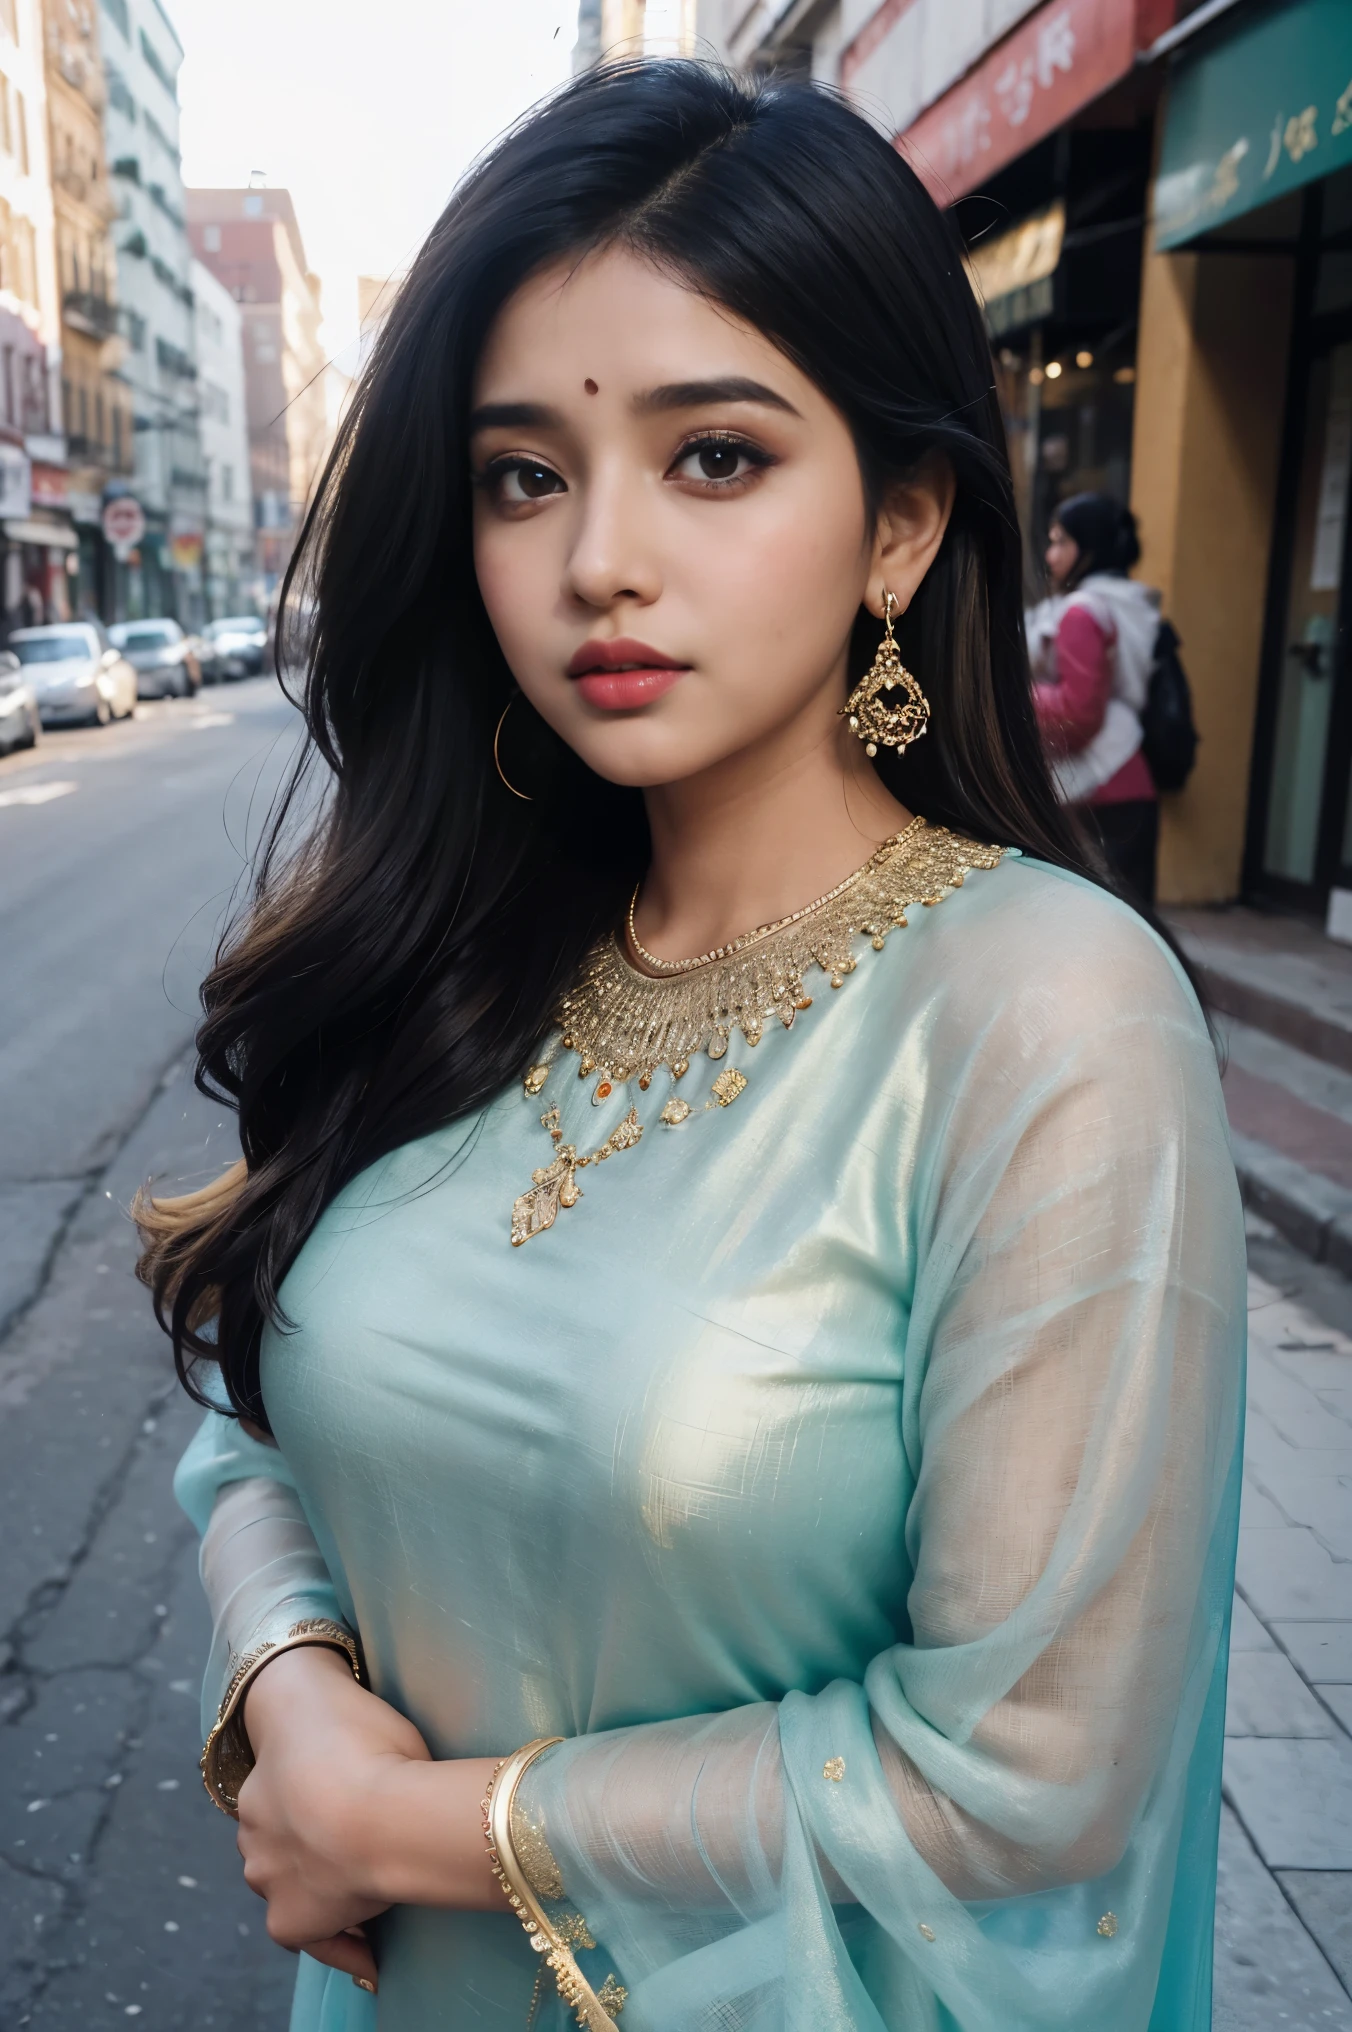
(1092, 647)
(745, 1387)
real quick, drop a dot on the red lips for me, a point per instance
(616, 655)
(620, 675)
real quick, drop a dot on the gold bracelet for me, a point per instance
(595, 2011)
(227, 1757)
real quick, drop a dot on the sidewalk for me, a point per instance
(1283, 998)
(1284, 1907)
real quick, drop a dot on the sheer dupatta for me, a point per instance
(986, 1832)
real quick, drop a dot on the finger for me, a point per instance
(346, 1951)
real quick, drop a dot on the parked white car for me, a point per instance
(20, 722)
(163, 657)
(233, 647)
(76, 673)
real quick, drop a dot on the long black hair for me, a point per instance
(396, 970)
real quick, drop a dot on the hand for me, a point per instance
(345, 1814)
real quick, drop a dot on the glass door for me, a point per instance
(1307, 776)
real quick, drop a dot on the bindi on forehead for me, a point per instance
(590, 386)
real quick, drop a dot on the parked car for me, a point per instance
(163, 657)
(20, 720)
(76, 673)
(233, 648)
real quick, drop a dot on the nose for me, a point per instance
(614, 553)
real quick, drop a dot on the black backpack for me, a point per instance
(1169, 738)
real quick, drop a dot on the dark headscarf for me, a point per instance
(1103, 531)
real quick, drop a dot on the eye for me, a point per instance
(513, 482)
(718, 460)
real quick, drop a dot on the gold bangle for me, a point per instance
(595, 2011)
(227, 1756)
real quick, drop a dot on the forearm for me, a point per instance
(355, 1778)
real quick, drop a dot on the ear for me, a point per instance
(910, 527)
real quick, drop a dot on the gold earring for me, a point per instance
(874, 719)
(497, 763)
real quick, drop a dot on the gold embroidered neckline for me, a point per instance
(666, 969)
(623, 1023)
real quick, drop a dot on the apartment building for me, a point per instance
(229, 564)
(95, 398)
(251, 242)
(36, 538)
(141, 56)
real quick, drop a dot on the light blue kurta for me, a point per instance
(890, 1415)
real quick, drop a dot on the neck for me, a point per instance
(760, 834)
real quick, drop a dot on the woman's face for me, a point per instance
(671, 535)
(1063, 554)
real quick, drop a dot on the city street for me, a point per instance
(120, 1896)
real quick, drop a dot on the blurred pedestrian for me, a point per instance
(1092, 645)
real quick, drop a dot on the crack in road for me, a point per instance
(88, 1183)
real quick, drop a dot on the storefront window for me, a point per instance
(1306, 678)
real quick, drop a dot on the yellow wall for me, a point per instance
(1211, 373)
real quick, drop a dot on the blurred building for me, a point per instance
(95, 397)
(250, 241)
(36, 538)
(1157, 202)
(635, 27)
(375, 299)
(229, 568)
(162, 574)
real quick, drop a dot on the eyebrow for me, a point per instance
(655, 401)
(694, 394)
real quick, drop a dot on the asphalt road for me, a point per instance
(122, 852)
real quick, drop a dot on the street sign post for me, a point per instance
(124, 524)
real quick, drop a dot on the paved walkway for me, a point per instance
(1284, 1918)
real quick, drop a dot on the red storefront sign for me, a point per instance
(1054, 63)
(50, 485)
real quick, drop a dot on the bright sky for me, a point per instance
(367, 113)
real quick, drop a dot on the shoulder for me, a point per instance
(1030, 961)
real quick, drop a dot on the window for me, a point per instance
(67, 399)
(227, 483)
(211, 239)
(116, 10)
(8, 390)
(21, 123)
(253, 205)
(156, 65)
(98, 421)
(117, 435)
(6, 125)
(9, 19)
(119, 96)
(84, 414)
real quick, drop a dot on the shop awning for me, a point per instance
(55, 535)
(1062, 56)
(1258, 113)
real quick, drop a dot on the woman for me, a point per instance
(1092, 645)
(842, 1465)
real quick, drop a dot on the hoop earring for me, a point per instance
(497, 763)
(872, 718)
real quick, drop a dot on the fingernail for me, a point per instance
(363, 1984)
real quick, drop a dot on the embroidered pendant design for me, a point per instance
(728, 1085)
(555, 1185)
